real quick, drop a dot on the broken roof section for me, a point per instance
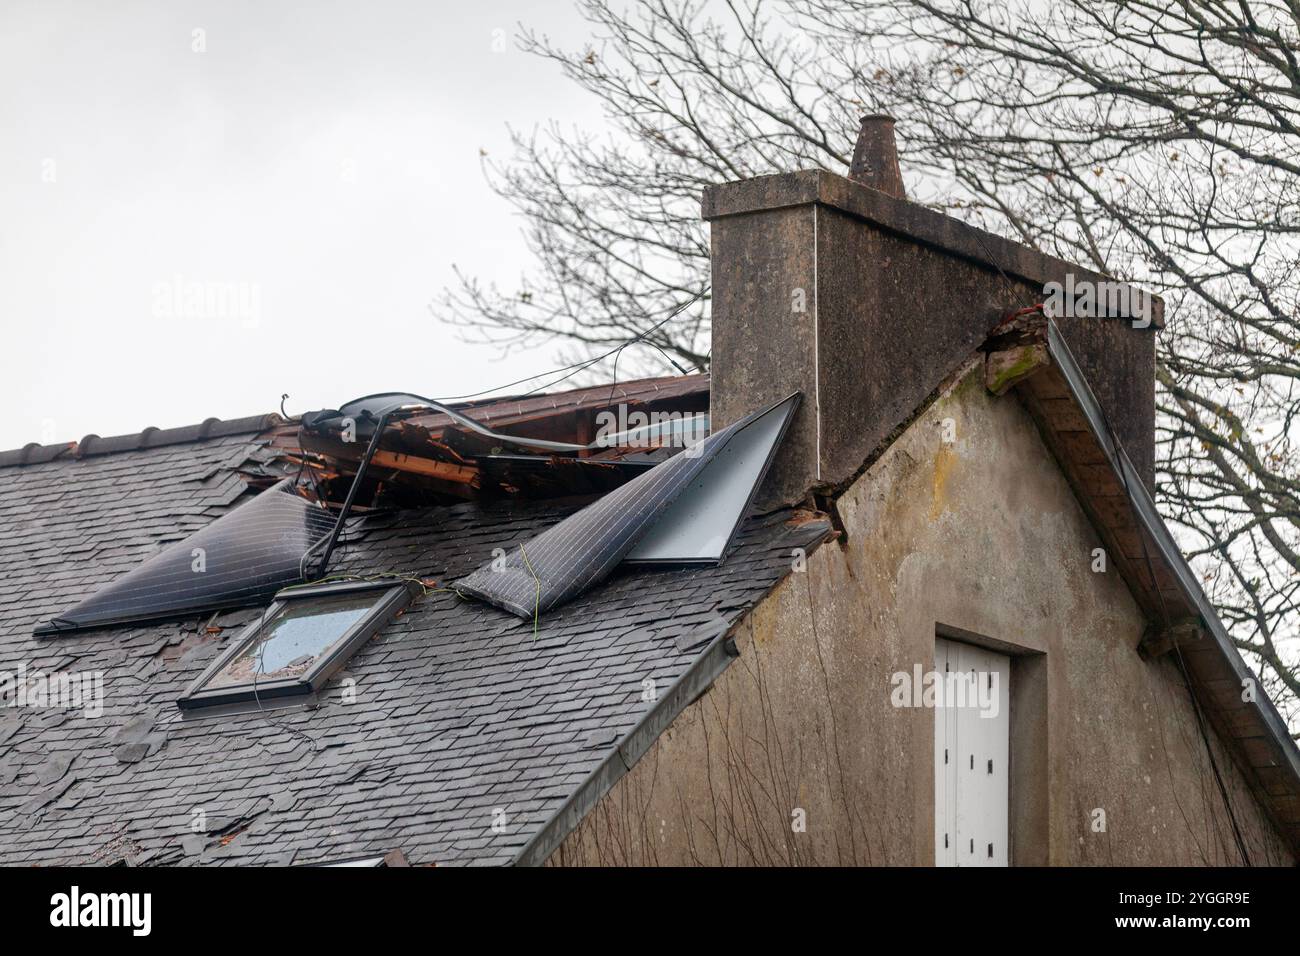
(672, 502)
(432, 457)
(246, 556)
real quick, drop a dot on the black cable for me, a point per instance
(614, 384)
(352, 491)
(587, 363)
(576, 369)
(579, 366)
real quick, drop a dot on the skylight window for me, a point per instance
(304, 637)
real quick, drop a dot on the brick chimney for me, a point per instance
(863, 301)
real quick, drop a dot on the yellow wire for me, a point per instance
(537, 600)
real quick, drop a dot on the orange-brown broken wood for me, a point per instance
(447, 471)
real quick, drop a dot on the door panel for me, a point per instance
(945, 767)
(972, 754)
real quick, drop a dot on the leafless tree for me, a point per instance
(1156, 142)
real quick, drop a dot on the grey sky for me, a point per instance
(318, 162)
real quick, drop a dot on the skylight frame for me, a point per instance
(393, 597)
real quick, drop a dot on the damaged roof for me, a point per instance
(460, 734)
(454, 736)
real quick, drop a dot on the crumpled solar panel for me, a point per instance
(242, 558)
(580, 551)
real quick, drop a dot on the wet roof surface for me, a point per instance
(460, 710)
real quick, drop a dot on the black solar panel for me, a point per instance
(242, 558)
(580, 551)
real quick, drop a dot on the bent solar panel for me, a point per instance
(242, 558)
(684, 511)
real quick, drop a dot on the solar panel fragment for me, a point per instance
(242, 558)
(580, 551)
(701, 521)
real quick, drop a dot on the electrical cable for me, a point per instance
(587, 363)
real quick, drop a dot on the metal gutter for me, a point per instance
(1148, 516)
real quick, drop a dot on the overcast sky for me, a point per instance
(190, 234)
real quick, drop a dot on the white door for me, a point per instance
(972, 746)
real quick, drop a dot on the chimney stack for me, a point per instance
(865, 302)
(875, 158)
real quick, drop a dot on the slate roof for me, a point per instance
(151, 437)
(460, 709)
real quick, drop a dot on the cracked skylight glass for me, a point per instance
(304, 637)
